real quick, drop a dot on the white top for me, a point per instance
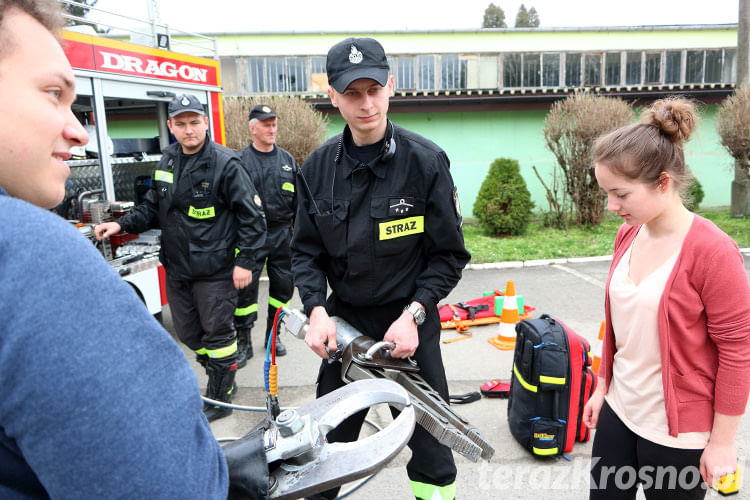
(636, 392)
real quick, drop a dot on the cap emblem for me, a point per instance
(355, 56)
(185, 101)
(266, 109)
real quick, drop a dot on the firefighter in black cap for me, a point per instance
(212, 228)
(378, 220)
(273, 172)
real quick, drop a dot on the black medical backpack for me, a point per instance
(551, 382)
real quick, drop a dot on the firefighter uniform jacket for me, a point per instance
(208, 210)
(379, 232)
(273, 174)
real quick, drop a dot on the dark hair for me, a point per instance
(47, 12)
(643, 151)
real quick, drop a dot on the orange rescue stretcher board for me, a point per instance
(486, 310)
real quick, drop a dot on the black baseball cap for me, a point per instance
(262, 112)
(185, 103)
(356, 58)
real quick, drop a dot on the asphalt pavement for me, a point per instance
(572, 291)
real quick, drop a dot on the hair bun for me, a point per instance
(675, 117)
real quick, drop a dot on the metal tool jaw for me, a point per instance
(364, 359)
(302, 462)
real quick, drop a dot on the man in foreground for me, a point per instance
(98, 401)
(378, 220)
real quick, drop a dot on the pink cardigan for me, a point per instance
(704, 328)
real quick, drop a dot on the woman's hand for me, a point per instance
(594, 405)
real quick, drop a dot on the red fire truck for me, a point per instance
(123, 91)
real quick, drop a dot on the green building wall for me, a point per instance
(474, 139)
(484, 41)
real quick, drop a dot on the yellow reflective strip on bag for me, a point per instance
(202, 213)
(552, 380)
(288, 186)
(426, 491)
(276, 303)
(222, 352)
(525, 384)
(246, 311)
(201, 351)
(401, 227)
(544, 451)
(163, 176)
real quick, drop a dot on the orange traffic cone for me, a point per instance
(596, 349)
(506, 339)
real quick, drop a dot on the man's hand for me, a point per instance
(106, 230)
(403, 333)
(321, 332)
(242, 277)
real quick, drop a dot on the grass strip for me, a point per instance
(541, 242)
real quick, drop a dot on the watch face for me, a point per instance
(420, 317)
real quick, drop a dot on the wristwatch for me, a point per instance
(417, 312)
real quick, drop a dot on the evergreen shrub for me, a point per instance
(503, 205)
(694, 195)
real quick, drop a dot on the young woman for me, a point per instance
(675, 372)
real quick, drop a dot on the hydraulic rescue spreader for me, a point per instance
(363, 358)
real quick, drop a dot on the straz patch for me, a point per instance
(401, 227)
(163, 176)
(201, 213)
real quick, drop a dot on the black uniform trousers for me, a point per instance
(431, 462)
(202, 314)
(277, 257)
(621, 460)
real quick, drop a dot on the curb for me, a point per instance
(515, 264)
(537, 263)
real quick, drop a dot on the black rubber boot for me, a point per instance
(248, 342)
(221, 373)
(243, 346)
(202, 359)
(280, 349)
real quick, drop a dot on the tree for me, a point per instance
(494, 17)
(81, 11)
(533, 18)
(527, 18)
(733, 124)
(302, 128)
(570, 129)
(522, 18)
